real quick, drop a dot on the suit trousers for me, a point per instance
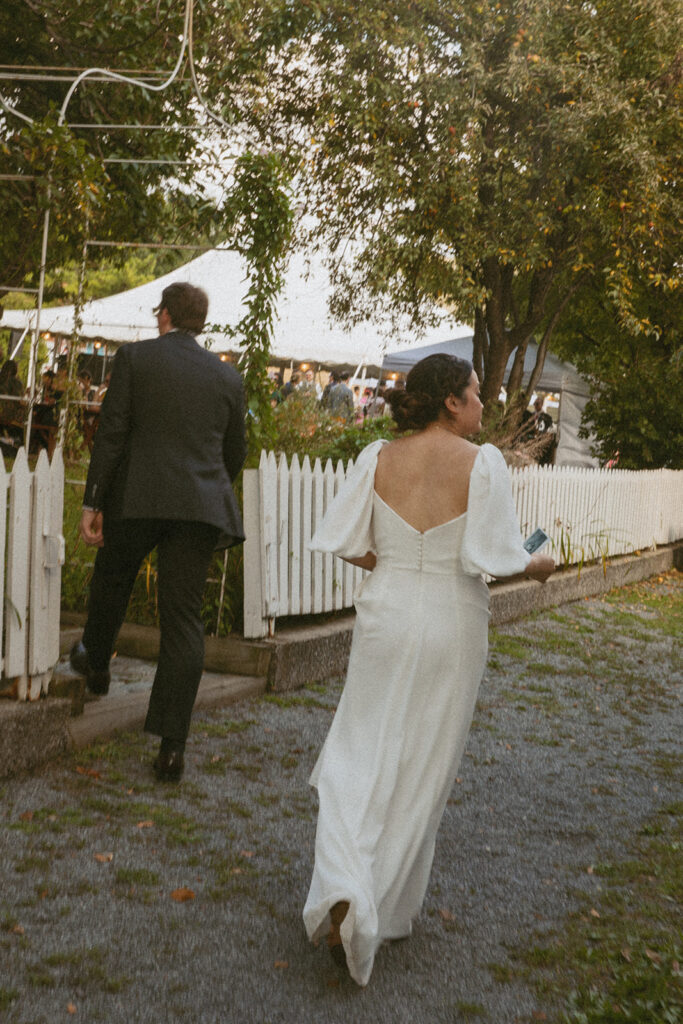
(184, 551)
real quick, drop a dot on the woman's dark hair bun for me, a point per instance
(428, 385)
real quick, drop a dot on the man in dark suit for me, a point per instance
(171, 440)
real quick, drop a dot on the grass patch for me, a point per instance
(618, 958)
(544, 668)
(508, 646)
(136, 876)
(31, 863)
(7, 997)
(122, 748)
(654, 602)
(470, 1010)
(238, 809)
(82, 967)
(268, 799)
(252, 771)
(220, 730)
(299, 701)
(179, 830)
(39, 978)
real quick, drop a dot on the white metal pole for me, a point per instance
(33, 356)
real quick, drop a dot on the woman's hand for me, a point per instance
(540, 567)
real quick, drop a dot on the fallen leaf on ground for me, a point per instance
(594, 912)
(446, 915)
(18, 929)
(539, 1015)
(26, 816)
(282, 963)
(88, 771)
(246, 853)
(145, 824)
(626, 953)
(104, 858)
(589, 869)
(70, 1008)
(654, 957)
(182, 895)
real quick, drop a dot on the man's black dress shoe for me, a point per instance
(169, 766)
(96, 680)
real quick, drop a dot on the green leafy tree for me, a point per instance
(636, 379)
(497, 157)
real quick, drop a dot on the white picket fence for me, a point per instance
(588, 513)
(31, 559)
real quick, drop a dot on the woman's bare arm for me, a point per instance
(539, 568)
(368, 561)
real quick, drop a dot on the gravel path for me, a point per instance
(122, 901)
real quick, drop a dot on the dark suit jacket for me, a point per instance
(171, 437)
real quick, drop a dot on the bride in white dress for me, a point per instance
(429, 514)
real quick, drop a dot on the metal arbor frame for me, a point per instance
(105, 75)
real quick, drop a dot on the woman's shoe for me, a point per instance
(334, 943)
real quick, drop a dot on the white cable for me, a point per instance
(114, 76)
(190, 53)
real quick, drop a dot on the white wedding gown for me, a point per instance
(418, 654)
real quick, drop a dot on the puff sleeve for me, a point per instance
(492, 542)
(346, 529)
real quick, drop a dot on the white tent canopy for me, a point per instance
(553, 373)
(556, 376)
(303, 329)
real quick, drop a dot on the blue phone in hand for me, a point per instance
(536, 541)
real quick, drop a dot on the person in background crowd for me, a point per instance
(542, 420)
(339, 401)
(291, 385)
(12, 410)
(102, 389)
(310, 386)
(376, 405)
(333, 379)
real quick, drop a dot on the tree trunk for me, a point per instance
(514, 385)
(495, 359)
(545, 340)
(480, 344)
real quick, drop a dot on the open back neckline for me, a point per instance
(410, 526)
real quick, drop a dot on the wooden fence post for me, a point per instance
(255, 623)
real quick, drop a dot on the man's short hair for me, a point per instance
(186, 305)
(344, 375)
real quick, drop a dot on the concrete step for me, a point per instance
(126, 709)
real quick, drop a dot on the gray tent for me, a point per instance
(557, 376)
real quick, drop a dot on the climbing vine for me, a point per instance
(260, 222)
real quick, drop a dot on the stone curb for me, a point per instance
(116, 712)
(295, 657)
